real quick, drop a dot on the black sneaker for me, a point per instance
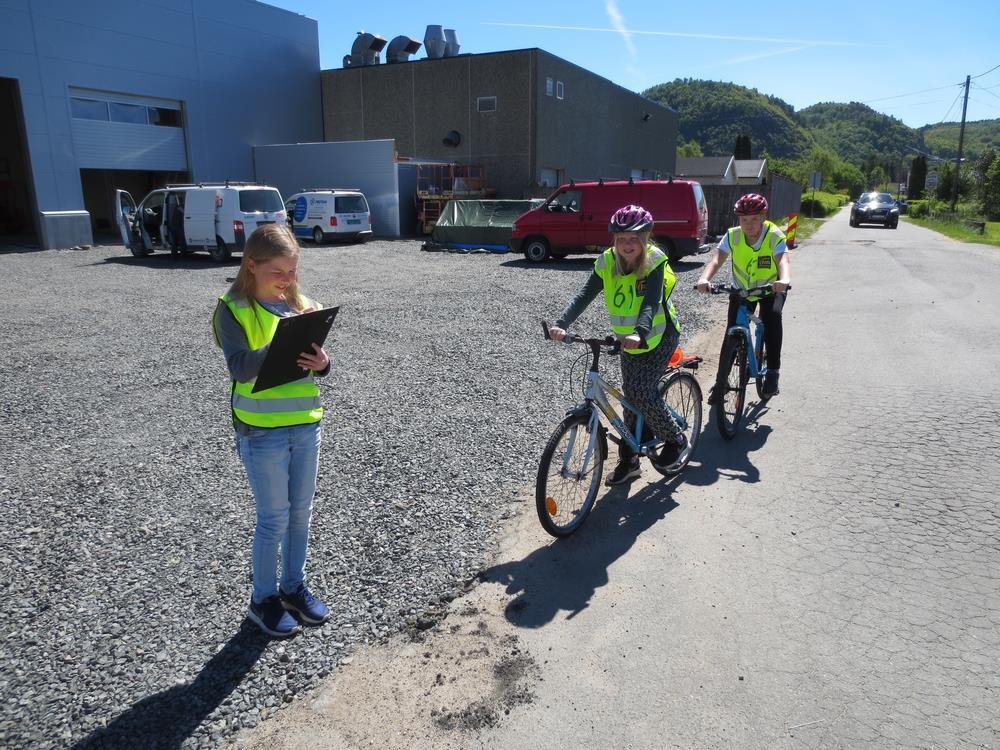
(309, 609)
(272, 618)
(672, 450)
(770, 386)
(625, 471)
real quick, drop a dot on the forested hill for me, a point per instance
(713, 114)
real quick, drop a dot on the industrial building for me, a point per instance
(107, 94)
(531, 119)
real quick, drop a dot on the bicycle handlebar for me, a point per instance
(766, 289)
(613, 345)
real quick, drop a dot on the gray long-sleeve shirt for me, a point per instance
(652, 296)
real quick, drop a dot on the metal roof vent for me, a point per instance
(365, 50)
(400, 49)
(451, 46)
(434, 41)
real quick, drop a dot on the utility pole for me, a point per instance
(961, 138)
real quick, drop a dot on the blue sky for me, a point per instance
(905, 59)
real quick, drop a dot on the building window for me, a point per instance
(486, 104)
(548, 87)
(559, 90)
(132, 113)
(88, 109)
(170, 118)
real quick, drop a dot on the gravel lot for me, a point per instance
(126, 546)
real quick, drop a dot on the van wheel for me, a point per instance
(220, 253)
(318, 236)
(668, 246)
(138, 250)
(536, 249)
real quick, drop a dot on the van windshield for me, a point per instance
(260, 200)
(350, 204)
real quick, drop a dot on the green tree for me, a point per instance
(877, 177)
(743, 148)
(691, 148)
(918, 175)
(991, 191)
(982, 168)
(822, 160)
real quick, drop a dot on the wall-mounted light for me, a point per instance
(645, 116)
(453, 138)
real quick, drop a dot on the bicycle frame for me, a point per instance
(751, 328)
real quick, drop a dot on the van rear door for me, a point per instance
(125, 219)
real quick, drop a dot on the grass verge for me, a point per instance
(957, 230)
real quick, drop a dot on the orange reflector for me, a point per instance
(550, 506)
(676, 357)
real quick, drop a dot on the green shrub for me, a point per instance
(812, 208)
(918, 209)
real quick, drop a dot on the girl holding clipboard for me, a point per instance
(278, 430)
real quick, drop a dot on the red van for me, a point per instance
(575, 217)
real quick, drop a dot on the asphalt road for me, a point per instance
(827, 579)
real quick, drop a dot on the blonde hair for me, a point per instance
(267, 242)
(643, 269)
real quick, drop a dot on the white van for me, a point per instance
(184, 218)
(330, 213)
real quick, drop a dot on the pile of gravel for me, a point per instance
(127, 516)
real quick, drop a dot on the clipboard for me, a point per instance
(294, 335)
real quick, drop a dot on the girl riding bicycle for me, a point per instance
(637, 282)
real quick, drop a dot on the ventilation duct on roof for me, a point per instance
(400, 49)
(434, 41)
(365, 50)
(451, 46)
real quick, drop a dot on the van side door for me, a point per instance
(125, 213)
(562, 217)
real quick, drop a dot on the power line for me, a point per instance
(980, 88)
(912, 93)
(988, 71)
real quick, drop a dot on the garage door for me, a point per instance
(123, 131)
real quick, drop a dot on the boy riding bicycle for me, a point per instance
(759, 256)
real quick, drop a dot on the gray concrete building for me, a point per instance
(113, 93)
(531, 119)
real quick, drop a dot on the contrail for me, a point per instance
(721, 37)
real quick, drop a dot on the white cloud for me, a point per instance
(618, 22)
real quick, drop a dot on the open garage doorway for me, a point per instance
(99, 186)
(18, 217)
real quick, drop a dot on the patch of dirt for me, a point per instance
(433, 687)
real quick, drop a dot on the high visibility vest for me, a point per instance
(623, 296)
(751, 267)
(284, 405)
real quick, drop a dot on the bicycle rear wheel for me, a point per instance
(568, 481)
(729, 412)
(761, 353)
(681, 392)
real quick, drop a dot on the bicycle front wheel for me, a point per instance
(682, 395)
(729, 412)
(569, 476)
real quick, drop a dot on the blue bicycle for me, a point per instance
(743, 357)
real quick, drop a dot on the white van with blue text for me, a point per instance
(332, 213)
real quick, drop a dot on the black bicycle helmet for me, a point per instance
(630, 218)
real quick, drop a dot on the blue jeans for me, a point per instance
(281, 465)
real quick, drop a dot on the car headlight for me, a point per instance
(894, 211)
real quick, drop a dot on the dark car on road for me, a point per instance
(875, 208)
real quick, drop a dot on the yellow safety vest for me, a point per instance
(284, 405)
(623, 296)
(751, 267)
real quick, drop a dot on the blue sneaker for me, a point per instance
(309, 609)
(272, 618)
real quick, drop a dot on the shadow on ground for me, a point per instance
(166, 719)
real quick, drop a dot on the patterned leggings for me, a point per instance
(641, 375)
